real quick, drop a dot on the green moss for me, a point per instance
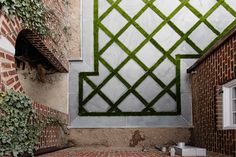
(114, 110)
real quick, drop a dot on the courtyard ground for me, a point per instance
(117, 152)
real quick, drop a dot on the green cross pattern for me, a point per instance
(131, 55)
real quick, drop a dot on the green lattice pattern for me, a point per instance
(131, 55)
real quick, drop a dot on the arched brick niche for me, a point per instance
(10, 76)
(48, 49)
(41, 72)
(11, 79)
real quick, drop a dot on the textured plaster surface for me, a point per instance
(74, 13)
(53, 92)
(122, 137)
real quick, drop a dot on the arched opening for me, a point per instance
(39, 71)
(30, 58)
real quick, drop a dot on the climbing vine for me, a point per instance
(32, 13)
(20, 125)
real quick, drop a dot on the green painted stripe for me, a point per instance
(228, 8)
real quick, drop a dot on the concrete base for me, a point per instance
(190, 151)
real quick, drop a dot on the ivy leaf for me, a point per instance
(15, 153)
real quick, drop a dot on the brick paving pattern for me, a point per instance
(101, 153)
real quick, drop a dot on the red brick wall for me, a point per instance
(10, 28)
(52, 135)
(217, 69)
(9, 78)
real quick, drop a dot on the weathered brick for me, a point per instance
(5, 25)
(12, 72)
(2, 55)
(10, 81)
(5, 74)
(6, 65)
(16, 78)
(10, 57)
(17, 85)
(211, 74)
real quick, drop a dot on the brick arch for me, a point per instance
(8, 76)
(48, 49)
(11, 29)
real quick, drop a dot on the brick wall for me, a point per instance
(219, 107)
(52, 136)
(9, 78)
(212, 71)
(11, 28)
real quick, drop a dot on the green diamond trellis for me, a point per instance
(129, 55)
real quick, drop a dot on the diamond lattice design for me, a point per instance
(184, 19)
(149, 55)
(166, 37)
(168, 7)
(99, 78)
(109, 23)
(87, 90)
(114, 55)
(166, 71)
(116, 93)
(183, 49)
(103, 39)
(231, 3)
(165, 104)
(138, 45)
(202, 36)
(220, 18)
(132, 7)
(131, 72)
(149, 16)
(131, 38)
(149, 89)
(104, 5)
(96, 104)
(203, 6)
(131, 104)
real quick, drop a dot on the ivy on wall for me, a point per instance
(17, 134)
(20, 125)
(32, 13)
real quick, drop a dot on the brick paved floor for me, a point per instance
(110, 153)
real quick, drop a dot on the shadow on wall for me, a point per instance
(41, 80)
(29, 59)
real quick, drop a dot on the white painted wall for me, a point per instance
(202, 36)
